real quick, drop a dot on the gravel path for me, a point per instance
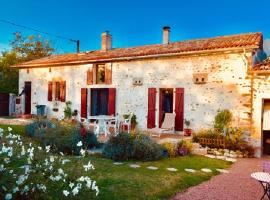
(236, 185)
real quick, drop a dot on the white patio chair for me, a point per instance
(114, 124)
(166, 127)
(127, 122)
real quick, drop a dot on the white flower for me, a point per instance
(81, 179)
(79, 144)
(11, 142)
(1, 130)
(47, 148)
(61, 153)
(11, 171)
(65, 192)
(71, 185)
(51, 159)
(75, 191)
(2, 168)
(9, 129)
(8, 196)
(16, 189)
(23, 151)
(1, 133)
(88, 166)
(88, 183)
(82, 152)
(39, 148)
(60, 171)
(26, 189)
(65, 161)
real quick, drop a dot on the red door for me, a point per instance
(151, 117)
(27, 92)
(179, 109)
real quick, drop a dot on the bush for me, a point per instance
(145, 149)
(222, 120)
(68, 110)
(62, 138)
(184, 144)
(119, 147)
(128, 147)
(209, 134)
(38, 128)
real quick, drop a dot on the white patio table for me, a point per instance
(102, 121)
(264, 179)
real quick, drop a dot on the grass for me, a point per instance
(117, 182)
(18, 129)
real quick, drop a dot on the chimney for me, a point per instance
(166, 35)
(106, 41)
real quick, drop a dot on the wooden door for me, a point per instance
(4, 104)
(179, 109)
(27, 93)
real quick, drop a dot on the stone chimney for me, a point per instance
(166, 35)
(106, 41)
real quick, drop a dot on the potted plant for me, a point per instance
(55, 106)
(133, 120)
(183, 148)
(187, 130)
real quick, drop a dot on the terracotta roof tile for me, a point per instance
(264, 66)
(222, 42)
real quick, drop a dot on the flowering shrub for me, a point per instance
(38, 128)
(27, 170)
(171, 149)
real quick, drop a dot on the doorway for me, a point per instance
(27, 93)
(165, 103)
(99, 101)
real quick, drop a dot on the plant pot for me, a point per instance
(55, 109)
(187, 132)
(182, 151)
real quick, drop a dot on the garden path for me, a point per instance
(236, 185)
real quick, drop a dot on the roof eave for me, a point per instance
(128, 58)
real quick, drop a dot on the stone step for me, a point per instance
(199, 151)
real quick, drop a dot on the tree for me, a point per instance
(22, 49)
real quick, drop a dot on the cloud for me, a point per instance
(266, 46)
(4, 47)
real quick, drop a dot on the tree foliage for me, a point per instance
(22, 49)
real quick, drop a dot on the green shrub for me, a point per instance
(185, 144)
(38, 128)
(222, 120)
(171, 149)
(119, 147)
(132, 147)
(145, 149)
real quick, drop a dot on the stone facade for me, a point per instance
(226, 86)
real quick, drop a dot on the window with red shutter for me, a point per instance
(84, 102)
(111, 101)
(90, 76)
(50, 85)
(151, 117)
(63, 91)
(179, 109)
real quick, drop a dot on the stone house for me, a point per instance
(192, 78)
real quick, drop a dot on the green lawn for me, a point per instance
(122, 182)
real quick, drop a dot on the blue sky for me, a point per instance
(132, 23)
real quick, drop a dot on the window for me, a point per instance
(57, 91)
(100, 74)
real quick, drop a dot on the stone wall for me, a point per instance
(226, 86)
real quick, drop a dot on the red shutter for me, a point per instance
(84, 102)
(108, 74)
(63, 91)
(90, 76)
(160, 107)
(179, 109)
(111, 102)
(151, 117)
(50, 90)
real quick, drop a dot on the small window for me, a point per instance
(100, 74)
(57, 91)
